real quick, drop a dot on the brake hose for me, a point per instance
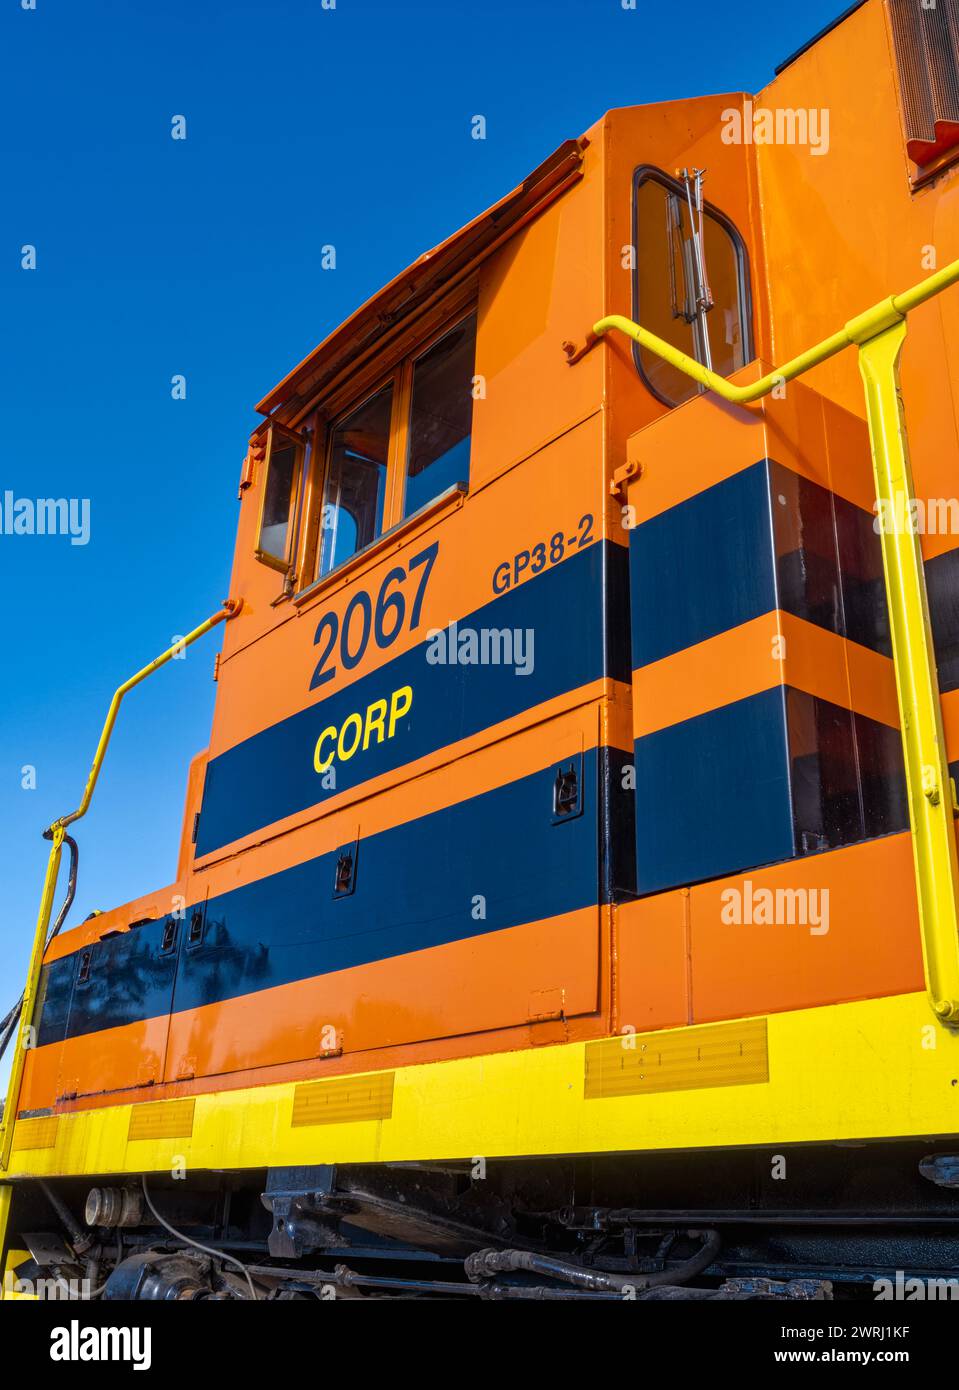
(483, 1263)
(9, 1025)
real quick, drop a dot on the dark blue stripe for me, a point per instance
(765, 538)
(576, 613)
(712, 794)
(415, 888)
(942, 587)
(702, 567)
(130, 978)
(774, 776)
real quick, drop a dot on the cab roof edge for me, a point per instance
(427, 273)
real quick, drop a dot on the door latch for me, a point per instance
(344, 875)
(168, 939)
(568, 790)
(194, 935)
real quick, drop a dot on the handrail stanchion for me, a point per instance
(878, 335)
(56, 833)
(929, 787)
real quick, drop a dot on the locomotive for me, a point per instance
(566, 902)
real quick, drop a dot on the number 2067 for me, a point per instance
(381, 618)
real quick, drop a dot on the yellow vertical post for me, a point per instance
(230, 609)
(23, 1039)
(29, 995)
(928, 785)
(5, 1196)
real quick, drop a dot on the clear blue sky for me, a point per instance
(155, 257)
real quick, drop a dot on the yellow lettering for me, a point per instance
(322, 766)
(400, 702)
(374, 721)
(372, 724)
(353, 719)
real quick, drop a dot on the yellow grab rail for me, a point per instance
(229, 610)
(55, 833)
(879, 334)
(882, 315)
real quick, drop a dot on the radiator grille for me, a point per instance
(927, 57)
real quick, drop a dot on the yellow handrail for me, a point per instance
(229, 609)
(879, 334)
(867, 325)
(56, 832)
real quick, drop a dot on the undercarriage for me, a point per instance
(839, 1222)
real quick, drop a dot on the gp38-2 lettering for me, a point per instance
(509, 573)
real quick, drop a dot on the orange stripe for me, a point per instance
(422, 1006)
(872, 947)
(776, 649)
(112, 1060)
(678, 962)
(833, 450)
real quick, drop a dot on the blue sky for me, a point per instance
(155, 257)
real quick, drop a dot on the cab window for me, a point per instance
(354, 491)
(690, 282)
(399, 446)
(441, 416)
(284, 463)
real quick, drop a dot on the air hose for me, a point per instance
(9, 1025)
(486, 1262)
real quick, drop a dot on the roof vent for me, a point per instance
(927, 56)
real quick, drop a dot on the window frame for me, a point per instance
(408, 368)
(391, 378)
(646, 173)
(300, 439)
(394, 367)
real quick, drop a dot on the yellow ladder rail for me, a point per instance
(879, 334)
(55, 832)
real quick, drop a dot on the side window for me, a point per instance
(284, 466)
(375, 464)
(690, 283)
(441, 417)
(355, 489)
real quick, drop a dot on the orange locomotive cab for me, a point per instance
(555, 804)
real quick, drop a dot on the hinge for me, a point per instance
(621, 477)
(216, 667)
(196, 827)
(255, 454)
(576, 354)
